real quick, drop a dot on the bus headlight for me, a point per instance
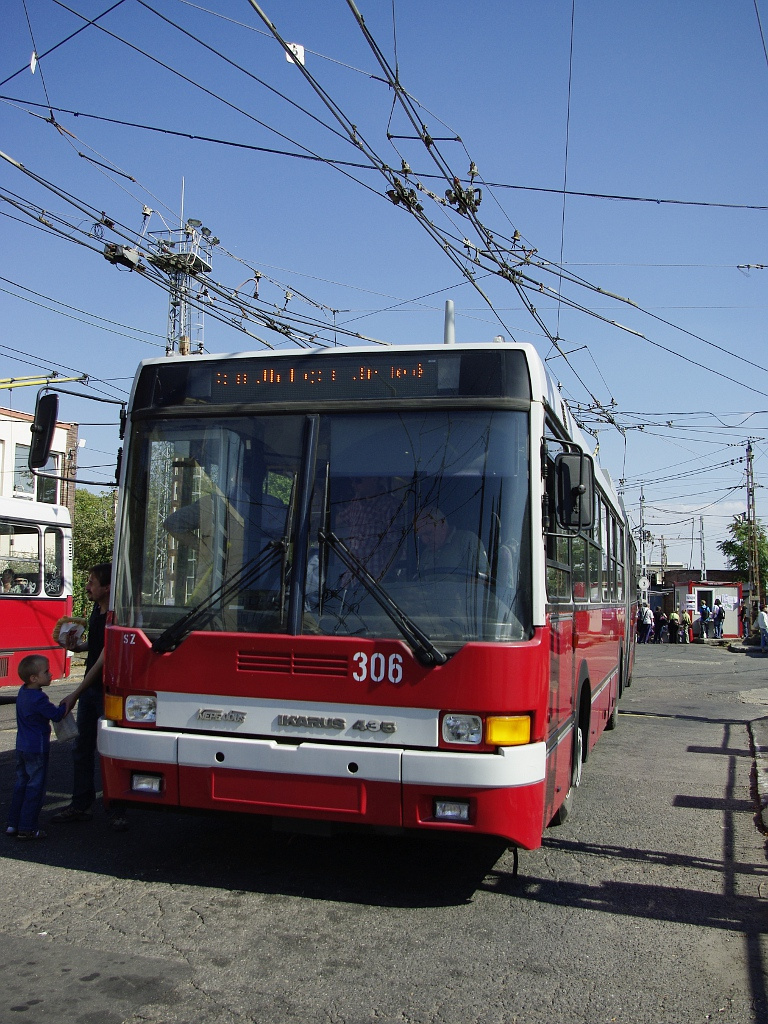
(146, 783)
(462, 729)
(451, 810)
(141, 708)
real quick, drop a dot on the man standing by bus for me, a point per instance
(90, 694)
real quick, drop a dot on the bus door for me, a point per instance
(561, 705)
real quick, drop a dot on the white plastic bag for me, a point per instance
(66, 729)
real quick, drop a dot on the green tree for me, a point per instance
(94, 533)
(737, 550)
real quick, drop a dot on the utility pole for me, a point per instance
(703, 554)
(642, 533)
(755, 589)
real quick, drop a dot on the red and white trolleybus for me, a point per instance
(35, 583)
(386, 587)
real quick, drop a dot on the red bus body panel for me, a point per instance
(26, 627)
(481, 678)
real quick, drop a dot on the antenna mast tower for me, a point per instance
(185, 256)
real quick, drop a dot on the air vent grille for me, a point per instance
(287, 663)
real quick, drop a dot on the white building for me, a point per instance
(16, 479)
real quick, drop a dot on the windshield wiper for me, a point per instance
(203, 612)
(422, 646)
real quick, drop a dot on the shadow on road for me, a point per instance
(728, 910)
(239, 853)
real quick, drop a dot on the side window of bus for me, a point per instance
(20, 560)
(594, 571)
(53, 562)
(605, 540)
(619, 550)
(558, 546)
(580, 569)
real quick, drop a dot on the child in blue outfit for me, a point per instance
(34, 714)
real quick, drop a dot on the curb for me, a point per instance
(739, 647)
(758, 731)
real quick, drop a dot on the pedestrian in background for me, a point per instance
(718, 618)
(744, 617)
(687, 622)
(704, 620)
(644, 623)
(761, 623)
(34, 714)
(659, 621)
(673, 626)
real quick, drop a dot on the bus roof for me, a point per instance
(24, 511)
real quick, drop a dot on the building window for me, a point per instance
(23, 481)
(47, 489)
(40, 488)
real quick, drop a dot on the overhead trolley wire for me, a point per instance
(358, 165)
(46, 53)
(209, 92)
(494, 253)
(239, 67)
(304, 331)
(355, 136)
(94, 316)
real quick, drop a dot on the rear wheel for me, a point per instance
(613, 720)
(563, 812)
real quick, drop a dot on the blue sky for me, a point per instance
(668, 101)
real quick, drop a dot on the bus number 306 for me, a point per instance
(377, 668)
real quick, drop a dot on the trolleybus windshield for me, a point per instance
(235, 515)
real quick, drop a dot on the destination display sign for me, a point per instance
(334, 376)
(342, 378)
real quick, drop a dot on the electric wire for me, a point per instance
(760, 29)
(208, 92)
(50, 50)
(74, 309)
(34, 64)
(357, 165)
(527, 304)
(662, 321)
(305, 335)
(15, 353)
(239, 67)
(560, 299)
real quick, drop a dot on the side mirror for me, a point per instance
(43, 426)
(575, 473)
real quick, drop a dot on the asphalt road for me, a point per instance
(648, 905)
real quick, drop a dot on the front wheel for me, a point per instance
(563, 812)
